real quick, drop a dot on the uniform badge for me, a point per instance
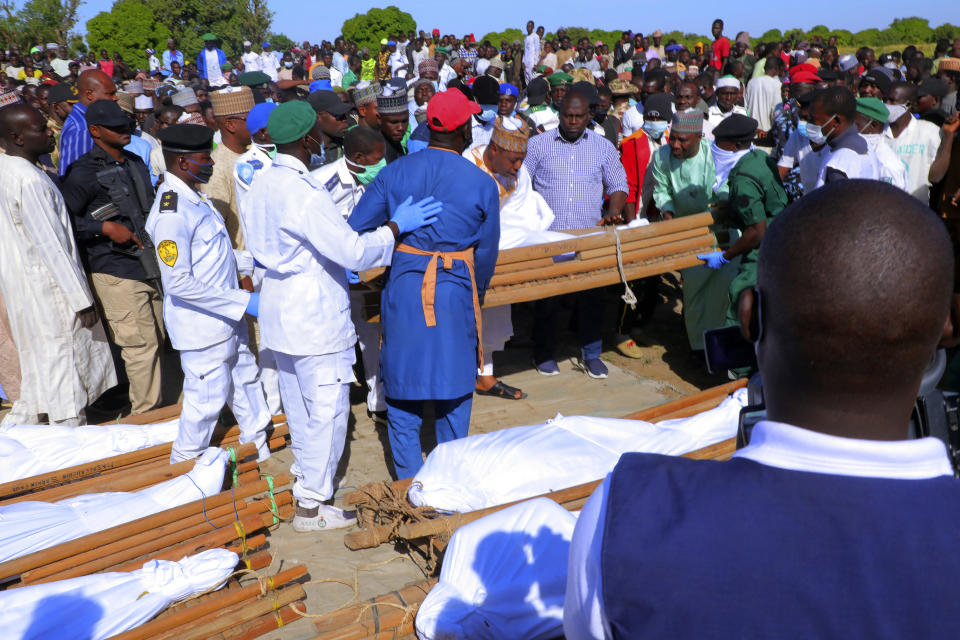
(332, 182)
(167, 250)
(245, 172)
(168, 202)
(256, 164)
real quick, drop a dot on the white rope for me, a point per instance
(628, 296)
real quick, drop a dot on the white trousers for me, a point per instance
(225, 373)
(270, 380)
(316, 396)
(497, 329)
(368, 335)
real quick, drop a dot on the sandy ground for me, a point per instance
(666, 370)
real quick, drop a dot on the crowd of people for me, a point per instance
(225, 203)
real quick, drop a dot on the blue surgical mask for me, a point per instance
(489, 113)
(317, 159)
(802, 128)
(815, 132)
(654, 128)
(633, 102)
(288, 65)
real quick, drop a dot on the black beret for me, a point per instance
(106, 113)
(186, 138)
(736, 127)
(932, 87)
(828, 75)
(63, 92)
(538, 88)
(658, 106)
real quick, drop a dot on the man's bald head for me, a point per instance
(24, 132)
(93, 85)
(855, 282)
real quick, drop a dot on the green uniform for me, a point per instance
(756, 195)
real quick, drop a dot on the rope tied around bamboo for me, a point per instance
(388, 507)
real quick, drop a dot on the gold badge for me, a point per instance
(167, 250)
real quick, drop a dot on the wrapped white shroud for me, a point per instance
(106, 604)
(490, 469)
(26, 527)
(29, 450)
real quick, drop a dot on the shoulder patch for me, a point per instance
(332, 182)
(168, 201)
(245, 171)
(167, 251)
(256, 164)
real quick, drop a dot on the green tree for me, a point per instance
(773, 35)
(820, 30)
(280, 42)
(866, 38)
(38, 21)
(509, 35)
(232, 21)
(844, 37)
(912, 30)
(367, 29)
(946, 31)
(128, 28)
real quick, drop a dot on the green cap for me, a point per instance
(559, 78)
(226, 66)
(253, 78)
(208, 36)
(442, 50)
(873, 108)
(290, 121)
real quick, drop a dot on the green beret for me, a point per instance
(442, 50)
(290, 121)
(873, 108)
(253, 78)
(559, 78)
(208, 36)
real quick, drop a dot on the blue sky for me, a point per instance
(318, 20)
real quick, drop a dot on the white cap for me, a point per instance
(848, 62)
(142, 103)
(247, 43)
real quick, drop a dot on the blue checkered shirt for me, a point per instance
(75, 139)
(572, 176)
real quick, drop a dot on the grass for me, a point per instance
(926, 47)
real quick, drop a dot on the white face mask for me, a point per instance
(815, 132)
(896, 110)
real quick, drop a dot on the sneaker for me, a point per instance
(595, 368)
(322, 518)
(547, 368)
(628, 347)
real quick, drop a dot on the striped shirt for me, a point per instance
(572, 176)
(75, 139)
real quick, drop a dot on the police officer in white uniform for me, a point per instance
(305, 245)
(345, 180)
(203, 302)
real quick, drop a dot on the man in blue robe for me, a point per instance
(430, 308)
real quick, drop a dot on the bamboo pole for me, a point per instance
(191, 548)
(113, 464)
(146, 631)
(134, 547)
(371, 609)
(149, 417)
(259, 626)
(24, 563)
(235, 615)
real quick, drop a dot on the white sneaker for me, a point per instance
(322, 518)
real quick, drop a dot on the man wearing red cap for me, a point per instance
(430, 308)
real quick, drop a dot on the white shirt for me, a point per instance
(773, 444)
(202, 302)
(762, 95)
(851, 163)
(297, 234)
(251, 61)
(715, 116)
(343, 188)
(154, 63)
(531, 51)
(214, 74)
(446, 76)
(916, 146)
(892, 170)
(336, 78)
(397, 61)
(794, 152)
(61, 67)
(269, 64)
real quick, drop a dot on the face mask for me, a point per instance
(896, 110)
(288, 65)
(204, 173)
(815, 133)
(632, 102)
(488, 114)
(802, 128)
(269, 149)
(655, 128)
(872, 139)
(269, 100)
(317, 159)
(370, 171)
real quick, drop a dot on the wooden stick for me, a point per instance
(363, 612)
(149, 417)
(146, 631)
(192, 548)
(259, 626)
(644, 243)
(237, 614)
(17, 566)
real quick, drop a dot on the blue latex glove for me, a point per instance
(352, 277)
(413, 215)
(714, 260)
(253, 305)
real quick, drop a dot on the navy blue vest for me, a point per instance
(704, 549)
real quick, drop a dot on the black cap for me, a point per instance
(932, 87)
(828, 75)
(486, 90)
(736, 127)
(881, 80)
(63, 92)
(328, 102)
(658, 105)
(106, 113)
(537, 91)
(186, 138)
(253, 79)
(806, 99)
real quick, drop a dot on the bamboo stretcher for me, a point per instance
(572, 498)
(590, 261)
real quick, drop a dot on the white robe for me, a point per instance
(762, 95)
(64, 367)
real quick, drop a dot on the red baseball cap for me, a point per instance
(805, 76)
(436, 32)
(449, 109)
(800, 68)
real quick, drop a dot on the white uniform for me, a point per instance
(251, 61)
(892, 170)
(916, 146)
(346, 192)
(63, 366)
(546, 118)
(203, 309)
(531, 55)
(715, 116)
(446, 76)
(297, 234)
(848, 156)
(269, 64)
(251, 164)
